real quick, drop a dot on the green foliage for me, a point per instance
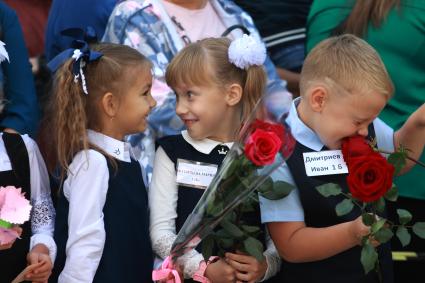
(403, 235)
(419, 229)
(254, 247)
(392, 193)
(344, 207)
(383, 235)
(368, 219)
(208, 246)
(379, 205)
(368, 257)
(329, 189)
(276, 190)
(398, 160)
(404, 216)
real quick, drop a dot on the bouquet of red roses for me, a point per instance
(370, 183)
(264, 143)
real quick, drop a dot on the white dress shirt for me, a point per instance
(163, 195)
(43, 212)
(85, 188)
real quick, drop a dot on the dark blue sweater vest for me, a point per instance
(127, 254)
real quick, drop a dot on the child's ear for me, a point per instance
(318, 97)
(110, 104)
(233, 94)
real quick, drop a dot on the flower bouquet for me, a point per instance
(370, 184)
(218, 221)
(14, 210)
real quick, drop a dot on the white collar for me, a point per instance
(300, 131)
(206, 145)
(116, 148)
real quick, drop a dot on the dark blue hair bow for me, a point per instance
(81, 54)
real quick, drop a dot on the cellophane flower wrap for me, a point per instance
(370, 184)
(14, 210)
(263, 144)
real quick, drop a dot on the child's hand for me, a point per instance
(248, 268)
(39, 253)
(18, 230)
(220, 272)
(359, 230)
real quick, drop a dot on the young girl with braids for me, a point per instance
(101, 95)
(217, 85)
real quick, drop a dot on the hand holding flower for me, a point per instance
(248, 268)
(39, 253)
(220, 272)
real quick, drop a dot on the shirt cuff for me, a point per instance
(47, 241)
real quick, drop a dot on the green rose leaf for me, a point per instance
(368, 257)
(254, 248)
(368, 219)
(384, 235)
(231, 168)
(392, 193)
(329, 189)
(380, 205)
(280, 190)
(226, 243)
(377, 225)
(214, 209)
(266, 186)
(344, 207)
(404, 216)
(250, 229)
(398, 160)
(403, 235)
(419, 229)
(207, 247)
(232, 229)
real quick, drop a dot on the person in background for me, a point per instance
(281, 24)
(21, 112)
(396, 29)
(65, 14)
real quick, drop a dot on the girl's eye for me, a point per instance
(146, 93)
(189, 94)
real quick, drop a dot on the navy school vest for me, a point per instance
(176, 147)
(319, 211)
(13, 260)
(127, 254)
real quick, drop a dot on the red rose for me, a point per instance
(370, 176)
(261, 147)
(282, 132)
(355, 146)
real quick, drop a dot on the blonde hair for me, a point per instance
(350, 62)
(72, 112)
(206, 63)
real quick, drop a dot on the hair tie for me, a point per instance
(80, 53)
(247, 51)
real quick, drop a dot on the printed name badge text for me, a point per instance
(195, 174)
(328, 162)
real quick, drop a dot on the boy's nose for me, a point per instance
(363, 131)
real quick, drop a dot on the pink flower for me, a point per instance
(14, 207)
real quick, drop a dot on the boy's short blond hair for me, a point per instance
(350, 62)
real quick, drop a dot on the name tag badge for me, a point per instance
(195, 174)
(328, 162)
